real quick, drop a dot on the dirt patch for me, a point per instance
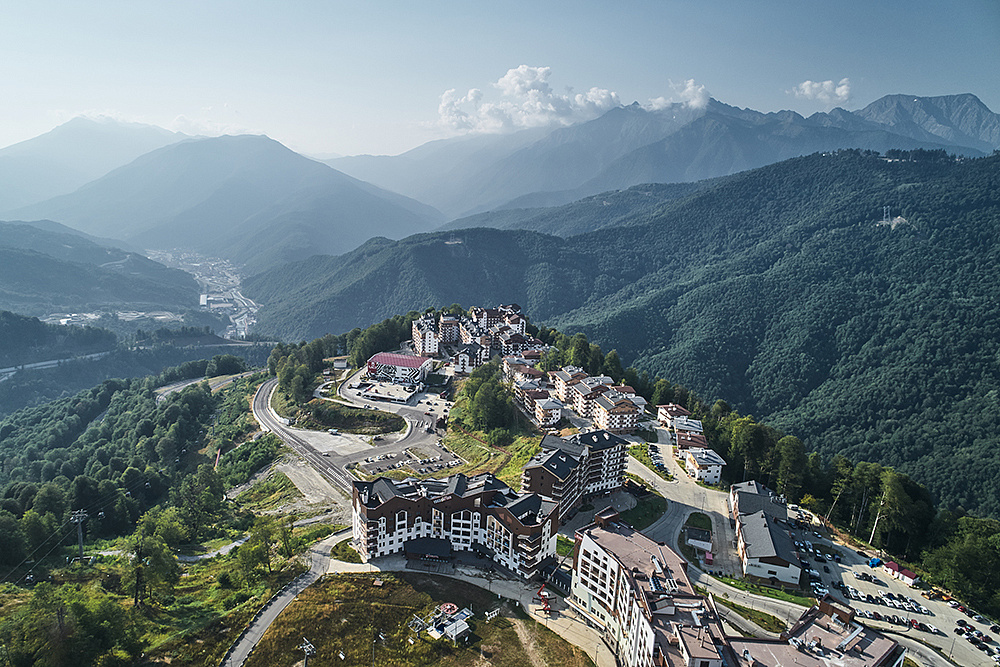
(527, 637)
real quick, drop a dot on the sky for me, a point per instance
(327, 77)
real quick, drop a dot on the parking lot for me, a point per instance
(419, 460)
(888, 604)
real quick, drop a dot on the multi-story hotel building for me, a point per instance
(569, 470)
(637, 592)
(442, 516)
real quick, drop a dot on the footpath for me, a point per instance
(319, 556)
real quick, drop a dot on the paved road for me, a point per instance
(685, 496)
(330, 467)
(213, 383)
(11, 370)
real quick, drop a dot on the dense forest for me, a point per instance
(139, 468)
(28, 339)
(779, 290)
(35, 387)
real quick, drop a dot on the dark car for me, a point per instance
(962, 622)
(959, 631)
(826, 568)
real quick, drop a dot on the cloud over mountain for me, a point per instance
(688, 92)
(527, 100)
(827, 92)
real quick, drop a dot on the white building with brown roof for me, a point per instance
(615, 413)
(666, 413)
(704, 465)
(638, 592)
(459, 513)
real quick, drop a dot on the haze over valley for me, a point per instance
(265, 273)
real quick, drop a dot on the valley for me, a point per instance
(735, 262)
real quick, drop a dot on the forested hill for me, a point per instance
(775, 289)
(45, 270)
(27, 340)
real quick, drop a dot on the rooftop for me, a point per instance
(401, 360)
(765, 539)
(824, 635)
(705, 457)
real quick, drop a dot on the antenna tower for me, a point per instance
(308, 649)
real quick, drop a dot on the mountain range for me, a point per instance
(245, 198)
(251, 200)
(633, 145)
(777, 289)
(71, 155)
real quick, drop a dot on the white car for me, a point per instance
(933, 630)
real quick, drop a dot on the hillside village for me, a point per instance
(634, 590)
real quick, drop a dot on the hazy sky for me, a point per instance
(372, 77)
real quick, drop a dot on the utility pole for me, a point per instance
(307, 649)
(877, 517)
(78, 517)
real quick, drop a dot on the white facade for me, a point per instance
(704, 465)
(601, 591)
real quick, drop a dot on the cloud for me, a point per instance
(526, 100)
(827, 92)
(687, 92)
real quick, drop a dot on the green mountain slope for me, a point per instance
(585, 215)
(774, 289)
(43, 271)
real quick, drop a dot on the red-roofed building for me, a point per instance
(398, 368)
(895, 571)
(666, 413)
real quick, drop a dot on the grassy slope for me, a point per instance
(340, 613)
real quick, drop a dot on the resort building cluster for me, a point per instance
(634, 590)
(637, 592)
(476, 338)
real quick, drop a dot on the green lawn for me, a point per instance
(343, 551)
(767, 591)
(699, 520)
(764, 620)
(646, 511)
(564, 545)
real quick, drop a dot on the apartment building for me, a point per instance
(638, 593)
(665, 414)
(424, 334)
(569, 470)
(611, 408)
(615, 413)
(704, 465)
(434, 518)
